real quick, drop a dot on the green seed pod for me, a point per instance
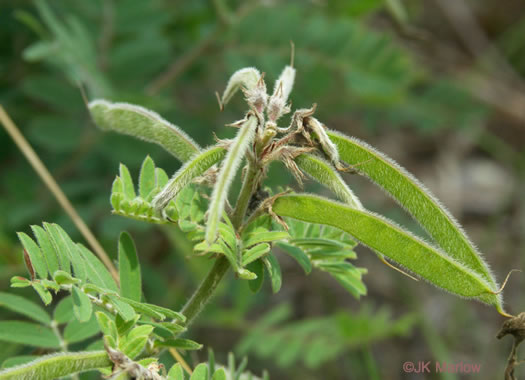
(226, 174)
(324, 173)
(144, 124)
(391, 240)
(57, 365)
(416, 199)
(187, 173)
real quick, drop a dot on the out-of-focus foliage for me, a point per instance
(316, 341)
(511, 44)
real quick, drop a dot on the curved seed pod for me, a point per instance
(416, 199)
(144, 124)
(57, 365)
(383, 236)
(226, 174)
(188, 172)
(323, 172)
(246, 78)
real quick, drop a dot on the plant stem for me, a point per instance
(206, 289)
(180, 360)
(247, 190)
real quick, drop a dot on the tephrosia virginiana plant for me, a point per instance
(239, 235)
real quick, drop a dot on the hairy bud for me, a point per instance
(318, 131)
(277, 105)
(257, 96)
(247, 79)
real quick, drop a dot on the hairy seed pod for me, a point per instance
(227, 172)
(387, 238)
(187, 173)
(57, 365)
(324, 173)
(416, 199)
(144, 124)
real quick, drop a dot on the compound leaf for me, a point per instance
(147, 177)
(82, 306)
(28, 333)
(129, 268)
(25, 307)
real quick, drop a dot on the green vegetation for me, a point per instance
(277, 197)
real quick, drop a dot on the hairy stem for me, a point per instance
(248, 188)
(205, 291)
(57, 365)
(207, 288)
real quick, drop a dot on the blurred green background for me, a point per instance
(438, 85)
